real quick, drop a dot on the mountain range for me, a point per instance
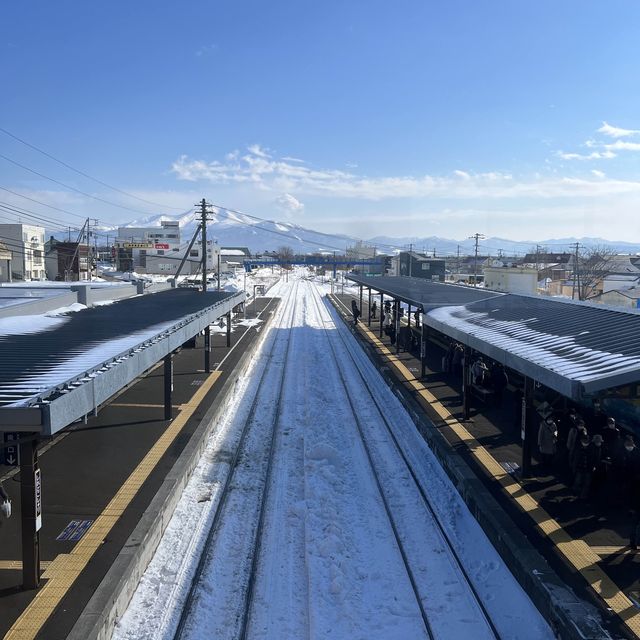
(240, 230)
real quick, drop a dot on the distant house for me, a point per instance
(5, 263)
(511, 280)
(628, 298)
(418, 265)
(67, 261)
(232, 258)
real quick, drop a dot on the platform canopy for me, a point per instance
(56, 369)
(576, 348)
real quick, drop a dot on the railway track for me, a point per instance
(244, 491)
(357, 385)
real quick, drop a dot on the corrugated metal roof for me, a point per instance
(424, 293)
(39, 357)
(572, 347)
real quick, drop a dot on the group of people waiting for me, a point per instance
(594, 458)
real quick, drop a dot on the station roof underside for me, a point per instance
(56, 370)
(573, 347)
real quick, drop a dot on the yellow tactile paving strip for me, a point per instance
(606, 550)
(582, 557)
(66, 568)
(16, 565)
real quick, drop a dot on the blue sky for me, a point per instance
(406, 118)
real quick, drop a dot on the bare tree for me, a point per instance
(594, 263)
(286, 255)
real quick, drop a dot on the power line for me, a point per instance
(82, 173)
(66, 186)
(44, 204)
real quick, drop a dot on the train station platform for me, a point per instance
(109, 486)
(583, 542)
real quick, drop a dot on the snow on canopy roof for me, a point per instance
(44, 355)
(572, 347)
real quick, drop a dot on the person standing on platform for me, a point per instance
(583, 467)
(499, 382)
(374, 308)
(547, 438)
(355, 311)
(5, 503)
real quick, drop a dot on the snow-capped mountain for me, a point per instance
(239, 230)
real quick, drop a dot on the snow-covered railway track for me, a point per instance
(405, 499)
(232, 545)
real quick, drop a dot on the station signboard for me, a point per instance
(138, 245)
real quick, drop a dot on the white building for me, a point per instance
(511, 279)
(26, 243)
(360, 251)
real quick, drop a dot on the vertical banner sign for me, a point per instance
(523, 419)
(38, 490)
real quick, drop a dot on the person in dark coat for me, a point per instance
(626, 467)
(355, 311)
(374, 308)
(584, 464)
(547, 437)
(499, 381)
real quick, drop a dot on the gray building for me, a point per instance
(418, 265)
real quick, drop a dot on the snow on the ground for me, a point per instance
(329, 565)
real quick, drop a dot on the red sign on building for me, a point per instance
(161, 245)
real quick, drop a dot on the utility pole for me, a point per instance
(477, 237)
(576, 272)
(88, 252)
(204, 211)
(207, 330)
(410, 252)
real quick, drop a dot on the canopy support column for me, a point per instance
(466, 383)
(525, 426)
(168, 386)
(397, 325)
(423, 350)
(30, 511)
(207, 349)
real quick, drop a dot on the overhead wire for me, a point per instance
(66, 186)
(84, 174)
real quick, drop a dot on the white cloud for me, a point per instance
(289, 204)
(270, 174)
(622, 145)
(616, 132)
(598, 174)
(594, 155)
